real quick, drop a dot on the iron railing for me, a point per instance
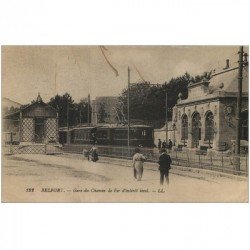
(217, 161)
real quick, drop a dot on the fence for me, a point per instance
(222, 162)
(32, 149)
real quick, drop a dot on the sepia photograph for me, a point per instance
(125, 124)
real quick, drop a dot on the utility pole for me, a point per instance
(238, 112)
(55, 78)
(80, 116)
(128, 107)
(68, 115)
(68, 134)
(166, 118)
(88, 109)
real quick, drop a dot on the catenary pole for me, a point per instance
(68, 116)
(166, 118)
(88, 109)
(128, 107)
(238, 112)
(68, 134)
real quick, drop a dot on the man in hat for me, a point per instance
(164, 166)
(159, 144)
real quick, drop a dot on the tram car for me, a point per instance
(104, 135)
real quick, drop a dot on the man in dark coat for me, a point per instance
(164, 144)
(170, 144)
(164, 166)
(159, 144)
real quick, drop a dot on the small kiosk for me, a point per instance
(36, 123)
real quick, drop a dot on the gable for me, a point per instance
(39, 110)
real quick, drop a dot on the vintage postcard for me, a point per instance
(125, 123)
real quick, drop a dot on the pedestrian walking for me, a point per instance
(164, 166)
(138, 160)
(85, 153)
(93, 153)
(159, 144)
(164, 144)
(170, 144)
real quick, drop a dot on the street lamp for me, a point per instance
(128, 108)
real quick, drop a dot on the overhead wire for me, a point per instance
(102, 48)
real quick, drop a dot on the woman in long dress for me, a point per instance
(138, 160)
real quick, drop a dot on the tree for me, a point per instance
(205, 76)
(148, 102)
(62, 104)
(78, 112)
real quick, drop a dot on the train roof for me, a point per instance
(75, 128)
(133, 126)
(103, 126)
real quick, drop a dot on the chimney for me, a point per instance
(227, 64)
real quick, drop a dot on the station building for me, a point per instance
(207, 118)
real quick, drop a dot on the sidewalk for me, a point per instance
(177, 170)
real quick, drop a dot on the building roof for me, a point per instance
(223, 84)
(229, 79)
(38, 101)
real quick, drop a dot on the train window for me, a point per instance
(133, 133)
(144, 133)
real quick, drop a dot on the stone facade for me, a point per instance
(208, 116)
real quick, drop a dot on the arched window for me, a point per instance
(184, 128)
(209, 127)
(196, 128)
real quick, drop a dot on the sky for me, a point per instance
(79, 70)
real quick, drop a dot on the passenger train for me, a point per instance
(109, 135)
